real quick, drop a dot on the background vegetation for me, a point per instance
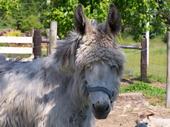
(27, 14)
(155, 95)
(157, 59)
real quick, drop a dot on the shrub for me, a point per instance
(13, 33)
(30, 22)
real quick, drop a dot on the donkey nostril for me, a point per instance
(113, 94)
(101, 108)
(107, 108)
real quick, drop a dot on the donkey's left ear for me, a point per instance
(80, 19)
(113, 20)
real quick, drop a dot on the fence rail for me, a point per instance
(168, 73)
(131, 47)
(143, 58)
(15, 50)
(8, 39)
(16, 40)
(34, 41)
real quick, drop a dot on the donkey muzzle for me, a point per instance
(101, 109)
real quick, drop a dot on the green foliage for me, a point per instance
(135, 14)
(29, 23)
(64, 18)
(157, 59)
(62, 12)
(13, 33)
(21, 14)
(7, 5)
(97, 10)
(155, 95)
(145, 88)
(7, 22)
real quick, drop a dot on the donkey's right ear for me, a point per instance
(80, 19)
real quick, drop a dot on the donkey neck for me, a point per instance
(70, 111)
(69, 115)
(78, 113)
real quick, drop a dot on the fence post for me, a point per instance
(143, 68)
(147, 43)
(52, 36)
(37, 44)
(168, 73)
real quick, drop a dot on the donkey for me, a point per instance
(70, 88)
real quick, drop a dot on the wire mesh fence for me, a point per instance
(156, 70)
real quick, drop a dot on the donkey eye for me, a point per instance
(89, 68)
(113, 67)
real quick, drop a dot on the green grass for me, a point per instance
(155, 95)
(157, 60)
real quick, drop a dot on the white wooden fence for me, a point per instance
(16, 40)
(168, 73)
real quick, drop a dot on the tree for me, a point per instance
(136, 13)
(62, 12)
(21, 14)
(28, 14)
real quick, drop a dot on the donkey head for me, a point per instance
(99, 61)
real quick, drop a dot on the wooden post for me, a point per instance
(48, 43)
(143, 68)
(147, 42)
(52, 36)
(168, 73)
(37, 44)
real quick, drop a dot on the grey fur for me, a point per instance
(49, 92)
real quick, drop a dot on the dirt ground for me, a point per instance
(127, 109)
